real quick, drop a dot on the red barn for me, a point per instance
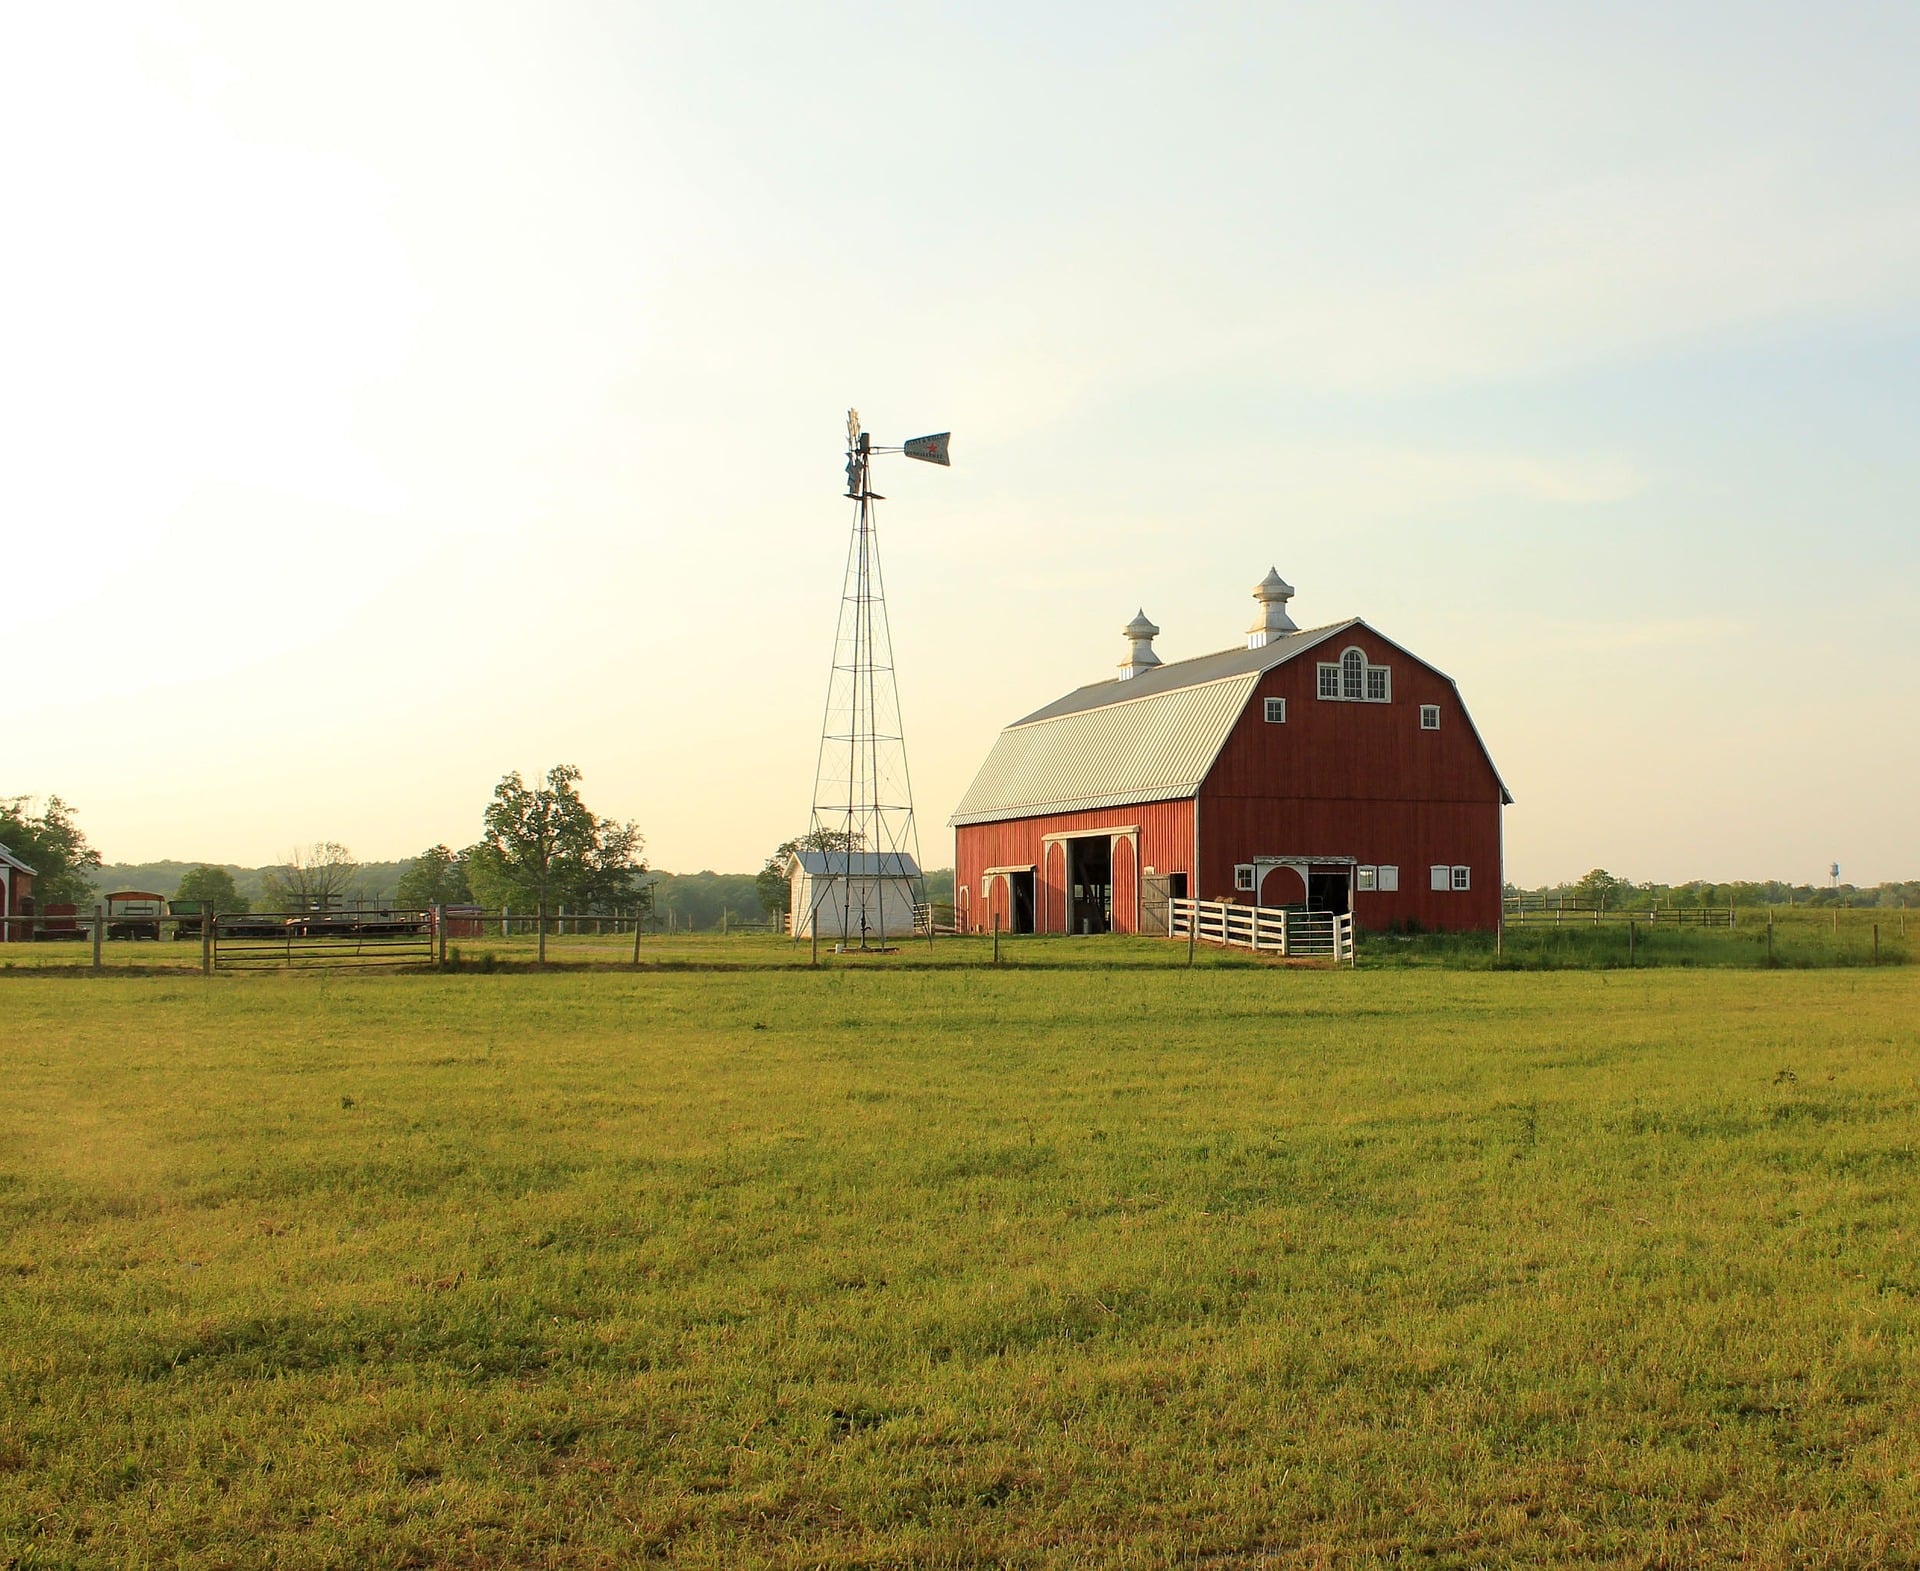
(1331, 768)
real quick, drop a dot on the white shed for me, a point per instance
(856, 897)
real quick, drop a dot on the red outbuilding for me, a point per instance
(16, 898)
(1329, 768)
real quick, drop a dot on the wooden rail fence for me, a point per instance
(1286, 931)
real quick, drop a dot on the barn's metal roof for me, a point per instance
(1148, 738)
(1189, 673)
(865, 864)
(13, 861)
(1148, 749)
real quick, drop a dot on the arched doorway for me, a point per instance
(1282, 886)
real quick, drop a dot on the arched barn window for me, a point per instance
(1352, 680)
(1353, 675)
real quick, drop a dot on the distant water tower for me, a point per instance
(1833, 872)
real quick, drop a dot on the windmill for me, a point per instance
(862, 858)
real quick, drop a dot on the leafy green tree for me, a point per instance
(1598, 888)
(313, 878)
(770, 883)
(492, 882)
(437, 877)
(50, 843)
(214, 888)
(543, 841)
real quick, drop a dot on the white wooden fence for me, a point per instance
(1272, 930)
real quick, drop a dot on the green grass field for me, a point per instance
(869, 1266)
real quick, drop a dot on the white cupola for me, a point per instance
(1273, 622)
(1139, 634)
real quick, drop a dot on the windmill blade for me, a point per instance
(930, 449)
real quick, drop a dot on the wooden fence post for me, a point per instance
(1193, 926)
(440, 933)
(207, 919)
(996, 938)
(636, 935)
(99, 928)
(1876, 943)
(1769, 938)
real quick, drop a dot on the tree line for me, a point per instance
(1602, 889)
(541, 849)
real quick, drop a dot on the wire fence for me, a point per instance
(1556, 912)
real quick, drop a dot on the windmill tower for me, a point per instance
(859, 875)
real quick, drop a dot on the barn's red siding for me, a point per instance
(1360, 780)
(1165, 845)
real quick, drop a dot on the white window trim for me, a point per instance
(1389, 879)
(1462, 878)
(1366, 878)
(1440, 876)
(1330, 679)
(1429, 717)
(1276, 711)
(1243, 876)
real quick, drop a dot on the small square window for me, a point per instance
(1366, 877)
(1329, 681)
(1389, 877)
(1440, 876)
(1463, 878)
(1276, 711)
(1429, 717)
(1243, 876)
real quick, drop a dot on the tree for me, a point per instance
(214, 888)
(313, 878)
(53, 846)
(437, 877)
(1598, 889)
(770, 885)
(544, 842)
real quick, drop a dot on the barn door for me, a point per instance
(1156, 890)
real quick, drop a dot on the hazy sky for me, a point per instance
(393, 395)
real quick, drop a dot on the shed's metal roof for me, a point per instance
(1148, 738)
(14, 862)
(866, 864)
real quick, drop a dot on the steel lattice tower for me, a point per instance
(862, 792)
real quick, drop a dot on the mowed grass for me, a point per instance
(860, 1267)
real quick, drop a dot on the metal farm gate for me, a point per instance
(284, 940)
